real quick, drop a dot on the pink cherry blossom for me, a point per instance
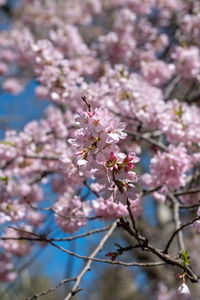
(71, 214)
(187, 61)
(183, 289)
(12, 86)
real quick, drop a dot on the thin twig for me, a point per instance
(170, 88)
(185, 192)
(168, 259)
(88, 264)
(90, 189)
(36, 296)
(189, 206)
(147, 192)
(43, 157)
(42, 238)
(176, 231)
(146, 246)
(177, 221)
(147, 139)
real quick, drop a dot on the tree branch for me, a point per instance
(88, 264)
(176, 231)
(177, 221)
(147, 139)
(36, 296)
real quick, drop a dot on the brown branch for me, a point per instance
(125, 264)
(42, 238)
(147, 192)
(159, 253)
(189, 206)
(177, 221)
(43, 157)
(171, 86)
(88, 264)
(176, 231)
(145, 246)
(185, 192)
(90, 189)
(147, 139)
(167, 259)
(133, 222)
(36, 296)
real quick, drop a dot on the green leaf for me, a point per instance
(4, 179)
(185, 258)
(124, 96)
(179, 112)
(122, 71)
(118, 245)
(7, 143)
(184, 44)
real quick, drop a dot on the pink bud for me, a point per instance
(112, 156)
(79, 152)
(177, 275)
(90, 114)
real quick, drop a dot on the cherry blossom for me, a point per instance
(121, 79)
(183, 289)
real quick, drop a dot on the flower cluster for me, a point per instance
(108, 209)
(6, 268)
(168, 170)
(97, 139)
(71, 213)
(136, 67)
